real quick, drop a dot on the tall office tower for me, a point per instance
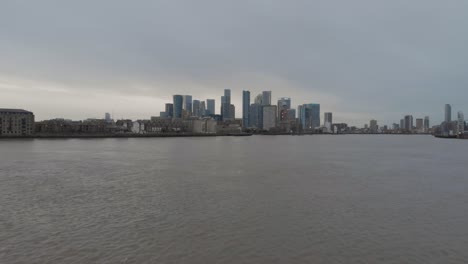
(408, 123)
(196, 108)
(461, 123)
(187, 106)
(448, 113)
(291, 114)
(284, 104)
(178, 101)
(315, 108)
(269, 116)
(419, 124)
(266, 98)
(256, 116)
(309, 116)
(226, 104)
(328, 121)
(328, 117)
(163, 115)
(245, 109)
(202, 108)
(301, 115)
(107, 117)
(402, 124)
(170, 110)
(373, 126)
(232, 112)
(426, 124)
(259, 99)
(210, 107)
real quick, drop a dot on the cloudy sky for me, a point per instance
(360, 59)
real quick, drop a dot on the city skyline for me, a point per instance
(361, 61)
(187, 101)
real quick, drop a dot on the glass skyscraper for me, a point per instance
(210, 107)
(245, 109)
(178, 101)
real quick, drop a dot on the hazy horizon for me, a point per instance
(360, 60)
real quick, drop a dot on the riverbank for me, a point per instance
(127, 135)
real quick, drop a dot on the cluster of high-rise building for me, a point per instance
(452, 128)
(259, 114)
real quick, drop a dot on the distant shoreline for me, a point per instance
(95, 136)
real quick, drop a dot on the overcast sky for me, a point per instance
(359, 59)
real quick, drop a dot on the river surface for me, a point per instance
(260, 199)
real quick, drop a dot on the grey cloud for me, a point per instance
(362, 59)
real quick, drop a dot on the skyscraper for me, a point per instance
(232, 111)
(269, 116)
(409, 123)
(245, 109)
(315, 112)
(187, 105)
(259, 99)
(266, 98)
(178, 101)
(202, 108)
(448, 113)
(255, 113)
(226, 104)
(328, 121)
(210, 107)
(107, 117)
(373, 126)
(196, 108)
(291, 114)
(426, 124)
(170, 110)
(460, 124)
(419, 124)
(309, 116)
(284, 104)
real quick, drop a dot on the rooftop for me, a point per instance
(7, 110)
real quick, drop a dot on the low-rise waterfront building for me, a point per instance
(16, 122)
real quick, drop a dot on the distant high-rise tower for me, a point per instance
(309, 116)
(178, 101)
(373, 126)
(226, 104)
(408, 123)
(170, 110)
(187, 106)
(269, 117)
(266, 98)
(232, 111)
(448, 113)
(284, 104)
(259, 99)
(426, 124)
(419, 124)
(245, 109)
(328, 121)
(202, 108)
(256, 116)
(210, 107)
(196, 108)
(460, 124)
(107, 117)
